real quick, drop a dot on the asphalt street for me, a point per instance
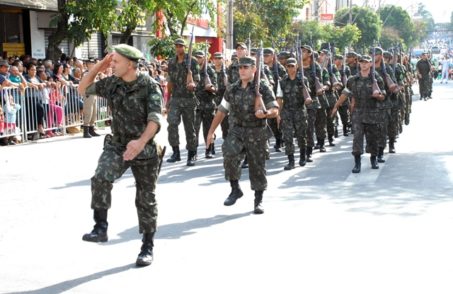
(324, 230)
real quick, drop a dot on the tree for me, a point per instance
(427, 22)
(397, 26)
(366, 20)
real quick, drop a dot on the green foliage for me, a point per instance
(397, 26)
(366, 20)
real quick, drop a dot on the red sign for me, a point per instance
(326, 16)
(202, 23)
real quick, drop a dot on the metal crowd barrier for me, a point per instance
(33, 113)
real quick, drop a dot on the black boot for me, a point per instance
(258, 203)
(145, 257)
(321, 146)
(302, 160)
(208, 153)
(212, 148)
(278, 145)
(345, 131)
(309, 152)
(392, 146)
(331, 144)
(290, 164)
(373, 160)
(86, 132)
(380, 156)
(92, 132)
(357, 164)
(191, 158)
(176, 156)
(245, 163)
(99, 232)
(235, 194)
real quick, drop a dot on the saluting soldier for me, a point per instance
(248, 132)
(293, 113)
(182, 102)
(136, 103)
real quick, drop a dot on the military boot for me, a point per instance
(302, 160)
(92, 132)
(145, 257)
(321, 146)
(309, 152)
(345, 131)
(392, 146)
(374, 163)
(380, 156)
(212, 148)
(235, 194)
(290, 164)
(278, 145)
(86, 132)
(191, 158)
(208, 153)
(99, 232)
(176, 156)
(331, 143)
(258, 203)
(357, 164)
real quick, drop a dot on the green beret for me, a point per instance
(306, 47)
(366, 58)
(241, 44)
(246, 61)
(198, 53)
(218, 55)
(377, 51)
(128, 51)
(291, 60)
(268, 51)
(180, 41)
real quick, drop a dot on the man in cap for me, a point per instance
(366, 117)
(233, 69)
(205, 91)
(135, 101)
(277, 71)
(182, 102)
(4, 80)
(352, 62)
(248, 132)
(293, 113)
(222, 82)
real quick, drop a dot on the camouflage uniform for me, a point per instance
(332, 97)
(293, 114)
(206, 108)
(183, 103)
(343, 110)
(424, 68)
(247, 135)
(277, 72)
(222, 78)
(133, 105)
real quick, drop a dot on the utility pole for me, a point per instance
(229, 33)
(350, 12)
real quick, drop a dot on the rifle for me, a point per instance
(376, 91)
(259, 103)
(189, 79)
(300, 67)
(344, 78)
(276, 73)
(249, 46)
(388, 80)
(225, 76)
(207, 80)
(333, 78)
(318, 86)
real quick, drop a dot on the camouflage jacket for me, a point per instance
(310, 75)
(278, 73)
(221, 87)
(293, 98)
(233, 72)
(177, 73)
(206, 98)
(133, 104)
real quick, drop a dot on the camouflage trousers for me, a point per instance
(205, 117)
(370, 131)
(253, 143)
(294, 125)
(330, 122)
(225, 125)
(187, 113)
(394, 123)
(343, 110)
(276, 131)
(111, 167)
(425, 86)
(386, 112)
(320, 124)
(311, 119)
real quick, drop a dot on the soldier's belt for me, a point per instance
(251, 124)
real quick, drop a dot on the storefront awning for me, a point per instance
(48, 5)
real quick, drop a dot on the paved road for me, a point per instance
(325, 230)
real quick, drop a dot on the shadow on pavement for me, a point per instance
(69, 284)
